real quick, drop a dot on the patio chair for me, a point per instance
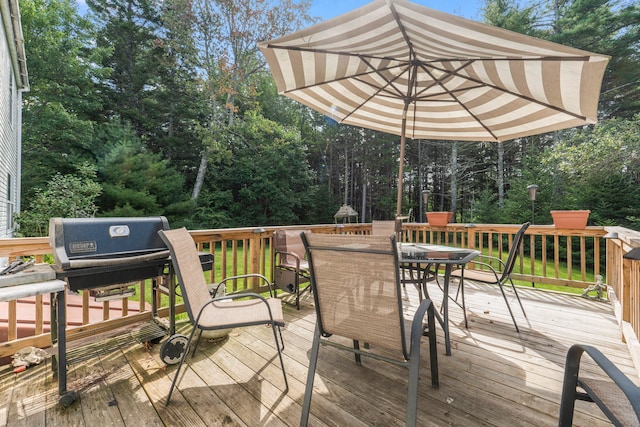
(218, 313)
(383, 228)
(617, 396)
(417, 274)
(356, 290)
(494, 276)
(290, 267)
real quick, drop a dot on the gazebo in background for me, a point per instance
(345, 213)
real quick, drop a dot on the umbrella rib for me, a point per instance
(396, 17)
(462, 104)
(379, 71)
(378, 89)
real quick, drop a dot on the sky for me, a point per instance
(465, 8)
(326, 9)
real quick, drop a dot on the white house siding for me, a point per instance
(13, 80)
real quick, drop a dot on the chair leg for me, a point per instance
(518, 297)
(356, 346)
(433, 348)
(193, 353)
(464, 305)
(299, 292)
(313, 361)
(182, 359)
(508, 307)
(412, 392)
(281, 340)
(417, 331)
(297, 296)
(275, 337)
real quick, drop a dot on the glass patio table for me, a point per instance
(418, 257)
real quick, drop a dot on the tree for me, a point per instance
(599, 169)
(138, 182)
(178, 103)
(227, 36)
(266, 179)
(509, 15)
(153, 87)
(72, 196)
(60, 108)
(130, 30)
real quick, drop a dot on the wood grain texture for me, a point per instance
(494, 377)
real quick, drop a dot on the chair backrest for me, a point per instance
(513, 252)
(291, 242)
(356, 288)
(186, 264)
(383, 228)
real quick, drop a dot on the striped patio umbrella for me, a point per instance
(405, 69)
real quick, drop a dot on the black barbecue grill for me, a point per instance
(106, 255)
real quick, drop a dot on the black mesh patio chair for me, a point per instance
(615, 394)
(217, 313)
(356, 290)
(494, 276)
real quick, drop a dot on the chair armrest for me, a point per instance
(571, 378)
(489, 267)
(251, 295)
(243, 276)
(417, 323)
(502, 263)
(293, 254)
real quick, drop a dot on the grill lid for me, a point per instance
(102, 242)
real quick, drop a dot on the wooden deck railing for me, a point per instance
(548, 256)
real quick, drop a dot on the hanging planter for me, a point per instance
(439, 219)
(570, 219)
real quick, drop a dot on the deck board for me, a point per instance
(494, 377)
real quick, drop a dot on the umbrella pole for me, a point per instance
(401, 165)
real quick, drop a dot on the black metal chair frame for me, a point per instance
(589, 393)
(500, 276)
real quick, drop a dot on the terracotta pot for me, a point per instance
(570, 219)
(439, 219)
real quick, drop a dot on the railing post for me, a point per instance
(471, 237)
(254, 256)
(634, 296)
(626, 291)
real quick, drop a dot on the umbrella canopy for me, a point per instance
(405, 69)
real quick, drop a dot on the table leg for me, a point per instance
(67, 398)
(444, 322)
(61, 341)
(445, 309)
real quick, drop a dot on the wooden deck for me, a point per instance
(494, 377)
